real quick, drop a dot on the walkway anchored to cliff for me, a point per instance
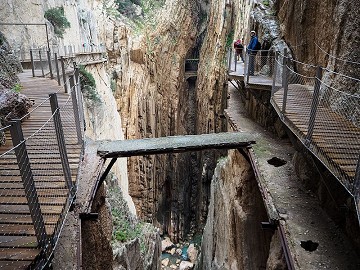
(39, 168)
(323, 116)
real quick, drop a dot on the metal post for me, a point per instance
(235, 62)
(356, 189)
(28, 182)
(285, 83)
(274, 74)
(63, 73)
(284, 65)
(230, 56)
(32, 63)
(41, 64)
(61, 141)
(75, 107)
(79, 96)
(57, 69)
(47, 36)
(50, 67)
(314, 105)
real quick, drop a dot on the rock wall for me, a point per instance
(155, 100)
(237, 202)
(324, 33)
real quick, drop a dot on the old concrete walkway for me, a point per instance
(300, 212)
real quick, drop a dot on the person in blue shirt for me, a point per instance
(252, 52)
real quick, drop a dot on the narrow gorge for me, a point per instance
(162, 68)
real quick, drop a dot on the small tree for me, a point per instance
(56, 17)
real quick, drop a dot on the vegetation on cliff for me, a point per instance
(56, 17)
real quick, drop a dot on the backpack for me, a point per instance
(257, 46)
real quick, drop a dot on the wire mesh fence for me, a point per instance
(259, 66)
(324, 118)
(37, 183)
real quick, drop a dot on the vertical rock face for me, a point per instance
(315, 29)
(155, 100)
(236, 202)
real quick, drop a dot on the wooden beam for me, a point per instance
(174, 144)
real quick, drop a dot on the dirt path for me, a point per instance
(302, 216)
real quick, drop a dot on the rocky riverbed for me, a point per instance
(181, 256)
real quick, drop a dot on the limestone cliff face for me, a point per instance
(155, 100)
(315, 29)
(81, 14)
(236, 202)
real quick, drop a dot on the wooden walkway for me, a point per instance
(259, 81)
(18, 243)
(334, 138)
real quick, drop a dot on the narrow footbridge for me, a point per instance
(322, 114)
(38, 172)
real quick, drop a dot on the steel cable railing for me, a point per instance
(324, 118)
(37, 184)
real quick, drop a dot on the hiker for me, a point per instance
(252, 49)
(238, 46)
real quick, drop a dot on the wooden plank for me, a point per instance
(40, 192)
(18, 241)
(23, 229)
(12, 265)
(174, 144)
(9, 218)
(24, 209)
(18, 254)
(38, 185)
(50, 200)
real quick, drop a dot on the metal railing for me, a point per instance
(325, 119)
(38, 181)
(259, 64)
(44, 62)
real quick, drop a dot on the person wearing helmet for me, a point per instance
(252, 50)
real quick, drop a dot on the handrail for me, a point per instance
(320, 108)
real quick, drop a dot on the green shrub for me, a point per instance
(88, 85)
(17, 88)
(56, 17)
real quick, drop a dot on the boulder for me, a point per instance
(185, 265)
(128, 256)
(192, 253)
(13, 105)
(179, 251)
(166, 244)
(165, 262)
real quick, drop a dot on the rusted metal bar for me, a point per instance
(28, 182)
(314, 105)
(32, 63)
(61, 142)
(285, 247)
